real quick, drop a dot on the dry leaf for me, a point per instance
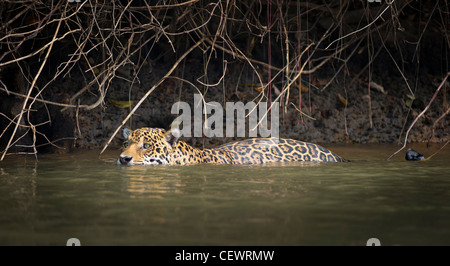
(342, 99)
(377, 87)
(121, 104)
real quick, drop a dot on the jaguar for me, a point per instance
(158, 146)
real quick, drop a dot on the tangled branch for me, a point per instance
(97, 39)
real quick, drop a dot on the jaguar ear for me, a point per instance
(172, 137)
(126, 132)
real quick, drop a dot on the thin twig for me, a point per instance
(30, 90)
(420, 115)
(150, 91)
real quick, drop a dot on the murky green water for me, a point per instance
(101, 203)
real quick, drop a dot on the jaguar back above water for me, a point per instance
(157, 146)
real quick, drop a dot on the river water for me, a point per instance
(78, 195)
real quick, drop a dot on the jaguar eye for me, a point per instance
(146, 145)
(125, 144)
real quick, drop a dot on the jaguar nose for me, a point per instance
(125, 159)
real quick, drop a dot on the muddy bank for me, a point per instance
(378, 117)
(340, 113)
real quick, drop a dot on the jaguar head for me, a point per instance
(148, 146)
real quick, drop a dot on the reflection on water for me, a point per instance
(144, 182)
(101, 203)
(161, 181)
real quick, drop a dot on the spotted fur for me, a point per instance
(156, 146)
